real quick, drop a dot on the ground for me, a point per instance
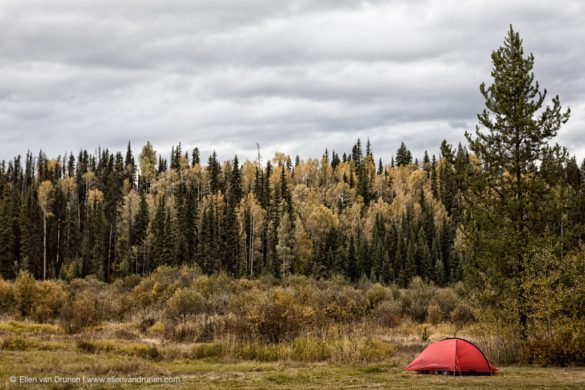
(31, 353)
(30, 366)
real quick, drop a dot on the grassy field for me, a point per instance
(30, 352)
(249, 374)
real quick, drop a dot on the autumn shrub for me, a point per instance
(159, 286)
(81, 311)
(182, 304)
(272, 316)
(417, 298)
(461, 315)
(434, 313)
(50, 298)
(447, 299)
(377, 294)
(555, 351)
(26, 292)
(7, 297)
(281, 317)
(180, 314)
(388, 313)
(218, 284)
(345, 305)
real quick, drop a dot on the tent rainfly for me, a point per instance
(453, 356)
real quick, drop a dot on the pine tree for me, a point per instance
(130, 167)
(214, 172)
(403, 155)
(506, 197)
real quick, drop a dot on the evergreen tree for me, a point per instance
(403, 155)
(505, 198)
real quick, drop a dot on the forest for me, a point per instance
(502, 216)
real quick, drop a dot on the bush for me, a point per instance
(417, 298)
(388, 313)
(160, 285)
(434, 313)
(51, 297)
(273, 316)
(184, 305)
(7, 297)
(558, 351)
(376, 294)
(345, 305)
(26, 293)
(462, 315)
(281, 317)
(81, 312)
(447, 299)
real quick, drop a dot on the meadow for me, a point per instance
(179, 328)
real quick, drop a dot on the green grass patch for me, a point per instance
(23, 327)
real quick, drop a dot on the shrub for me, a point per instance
(281, 317)
(160, 285)
(376, 294)
(51, 297)
(434, 313)
(26, 293)
(417, 298)
(345, 305)
(447, 299)
(557, 351)
(182, 304)
(7, 297)
(388, 313)
(81, 312)
(461, 315)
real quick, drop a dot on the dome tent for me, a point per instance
(452, 355)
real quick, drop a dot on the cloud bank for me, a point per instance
(294, 76)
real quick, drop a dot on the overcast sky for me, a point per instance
(295, 76)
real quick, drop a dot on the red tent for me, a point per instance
(452, 355)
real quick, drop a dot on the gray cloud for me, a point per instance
(296, 76)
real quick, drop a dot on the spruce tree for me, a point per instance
(506, 196)
(403, 155)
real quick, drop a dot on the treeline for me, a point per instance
(110, 215)
(99, 214)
